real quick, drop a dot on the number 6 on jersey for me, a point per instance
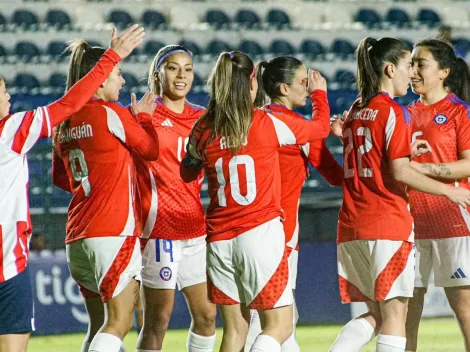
(249, 165)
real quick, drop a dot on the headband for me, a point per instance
(171, 52)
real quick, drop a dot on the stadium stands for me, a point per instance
(324, 34)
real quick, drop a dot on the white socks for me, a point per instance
(265, 343)
(104, 342)
(198, 343)
(390, 343)
(254, 330)
(355, 334)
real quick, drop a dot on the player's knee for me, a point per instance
(205, 319)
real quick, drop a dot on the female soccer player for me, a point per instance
(18, 134)
(237, 146)
(174, 237)
(375, 228)
(441, 117)
(94, 147)
(282, 81)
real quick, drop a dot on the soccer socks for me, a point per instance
(198, 343)
(265, 343)
(254, 330)
(291, 345)
(104, 342)
(85, 346)
(140, 350)
(355, 334)
(390, 343)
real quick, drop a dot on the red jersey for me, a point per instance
(244, 189)
(375, 206)
(171, 209)
(19, 132)
(293, 161)
(446, 126)
(95, 150)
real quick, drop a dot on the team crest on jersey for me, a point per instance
(440, 119)
(166, 274)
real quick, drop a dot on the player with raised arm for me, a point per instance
(375, 227)
(18, 134)
(441, 117)
(282, 82)
(174, 236)
(93, 150)
(237, 146)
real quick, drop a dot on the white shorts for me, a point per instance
(104, 265)
(293, 263)
(170, 262)
(375, 270)
(448, 259)
(251, 269)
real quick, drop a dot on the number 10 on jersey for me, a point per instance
(234, 180)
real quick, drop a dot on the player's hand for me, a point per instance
(337, 124)
(419, 147)
(458, 195)
(315, 81)
(147, 104)
(127, 41)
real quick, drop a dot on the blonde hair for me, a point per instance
(230, 109)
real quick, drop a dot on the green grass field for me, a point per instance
(436, 335)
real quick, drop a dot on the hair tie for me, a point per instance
(232, 57)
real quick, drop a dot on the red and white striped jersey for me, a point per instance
(95, 149)
(375, 205)
(293, 161)
(245, 188)
(18, 134)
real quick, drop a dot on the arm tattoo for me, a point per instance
(437, 169)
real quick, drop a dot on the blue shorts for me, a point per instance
(16, 304)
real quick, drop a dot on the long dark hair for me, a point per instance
(271, 74)
(458, 80)
(371, 55)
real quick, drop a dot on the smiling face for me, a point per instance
(4, 100)
(427, 75)
(176, 76)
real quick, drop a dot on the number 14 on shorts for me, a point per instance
(164, 248)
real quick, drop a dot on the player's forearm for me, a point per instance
(148, 146)
(83, 90)
(320, 124)
(447, 171)
(418, 181)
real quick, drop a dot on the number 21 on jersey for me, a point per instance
(359, 153)
(234, 180)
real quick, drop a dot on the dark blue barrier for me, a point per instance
(59, 306)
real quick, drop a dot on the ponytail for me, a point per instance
(82, 59)
(371, 55)
(459, 80)
(230, 109)
(261, 96)
(367, 78)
